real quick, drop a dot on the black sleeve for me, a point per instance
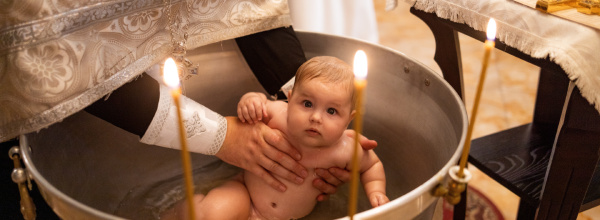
(274, 56)
(130, 107)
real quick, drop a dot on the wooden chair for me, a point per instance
(550, 162)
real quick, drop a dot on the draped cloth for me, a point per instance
(352, 18)
(573, 46)
(57, 57)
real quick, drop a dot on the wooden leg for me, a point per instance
(551, 95)
(526, 211)
(448, 58)
(573, 160)
(460, 209)
(447, 49)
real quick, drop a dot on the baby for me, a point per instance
(314, 120)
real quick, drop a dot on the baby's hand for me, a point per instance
(252, 107)
(378, 198)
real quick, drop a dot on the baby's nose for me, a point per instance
(315, 117)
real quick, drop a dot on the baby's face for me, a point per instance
(318, 113)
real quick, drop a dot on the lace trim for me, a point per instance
(158, 122)
(219, 138)
(54, 27)
(70, 107)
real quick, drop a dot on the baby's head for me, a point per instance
(321, 102)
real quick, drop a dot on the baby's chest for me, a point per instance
(325, 160)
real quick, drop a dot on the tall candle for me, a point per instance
(171, 78)
(489, 45)
(360, 82)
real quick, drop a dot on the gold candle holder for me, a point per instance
(360, 83)
(171, 78)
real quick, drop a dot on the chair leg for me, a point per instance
(526, 211)
(447, 49)
(460, 209)
(573, 161)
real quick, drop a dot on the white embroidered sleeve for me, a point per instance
(205, 129)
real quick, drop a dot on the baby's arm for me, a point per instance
(373, 178)
(252, 107)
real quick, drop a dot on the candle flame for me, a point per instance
(170, 74)
(360, 65)
(491, 29)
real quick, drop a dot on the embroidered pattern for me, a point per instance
(55, 26)
(46, 71)
(91, 48)
(193, 126)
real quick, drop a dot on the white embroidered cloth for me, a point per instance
(205, 129)
(57, 57)
(575, 47)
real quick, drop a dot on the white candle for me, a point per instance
(360, 65)
(170, 74)
(491, 30)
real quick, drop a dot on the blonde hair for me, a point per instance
(329, 69)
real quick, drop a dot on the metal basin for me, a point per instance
(89, 169)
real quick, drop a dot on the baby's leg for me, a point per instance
(228, 201)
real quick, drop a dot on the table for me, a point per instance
(559, 150)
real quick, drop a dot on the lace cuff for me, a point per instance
(205, 129)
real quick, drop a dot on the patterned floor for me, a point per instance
(478, 207)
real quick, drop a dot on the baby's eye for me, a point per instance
(307, 104)
(331, 111)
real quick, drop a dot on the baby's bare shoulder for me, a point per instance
(278, 104)
(342, 151)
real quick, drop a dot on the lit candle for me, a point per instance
(489, 45)
(171, 78)
(360, 82)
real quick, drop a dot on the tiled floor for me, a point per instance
(507, 98)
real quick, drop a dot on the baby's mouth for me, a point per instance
(313, 132)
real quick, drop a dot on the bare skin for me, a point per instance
(298, 200)
(267, 152)
(259, 157)
(316, 123)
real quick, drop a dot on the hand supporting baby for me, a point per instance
(252, 108)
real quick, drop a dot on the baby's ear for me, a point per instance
(352, 114)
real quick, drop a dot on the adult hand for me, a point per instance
(334, 177)
(260, 150)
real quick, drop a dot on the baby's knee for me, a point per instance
(233, 202)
